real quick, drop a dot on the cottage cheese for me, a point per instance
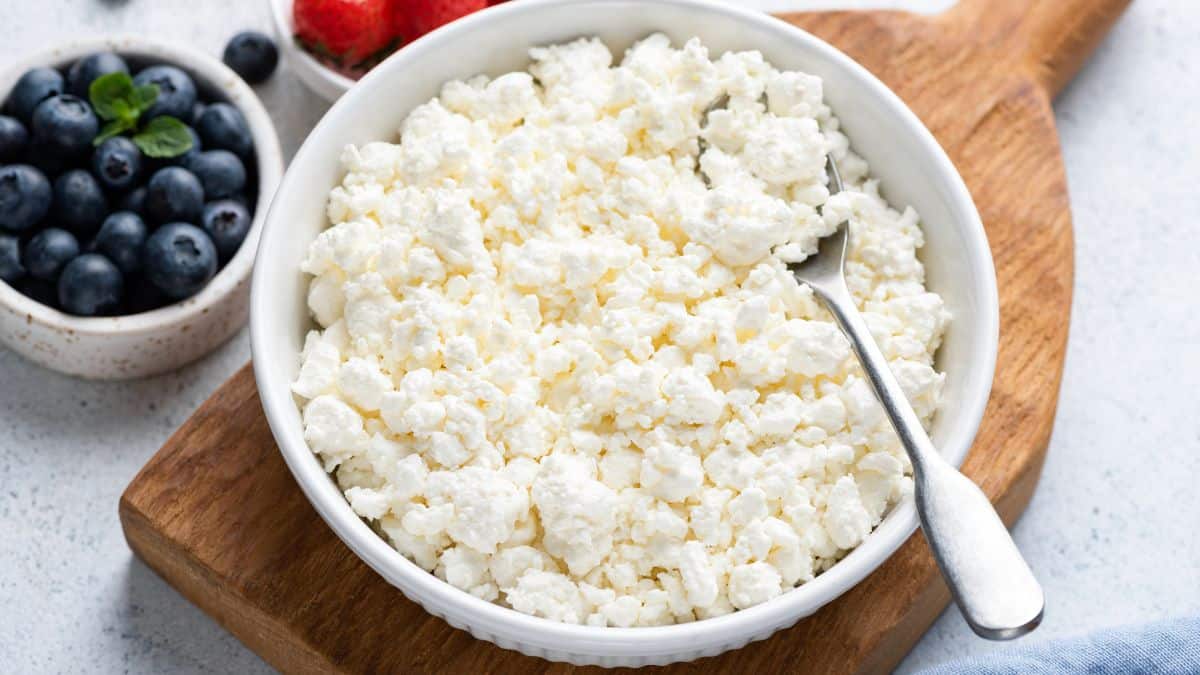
(562, 371)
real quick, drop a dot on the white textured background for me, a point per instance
(1111, 531)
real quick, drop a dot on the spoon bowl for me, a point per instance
(990, 581)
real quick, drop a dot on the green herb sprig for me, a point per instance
(120, 104)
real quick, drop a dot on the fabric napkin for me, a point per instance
(1169, 647)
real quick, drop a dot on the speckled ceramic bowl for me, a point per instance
(153, 342)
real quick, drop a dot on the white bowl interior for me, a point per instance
(913, 170)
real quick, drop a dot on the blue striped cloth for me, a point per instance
(1162, 648)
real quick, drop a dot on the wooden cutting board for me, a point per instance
(217, 514)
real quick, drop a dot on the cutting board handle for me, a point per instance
(1051, 38)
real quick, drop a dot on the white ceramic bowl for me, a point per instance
(326, 82)
(913, 168)
(138, 345)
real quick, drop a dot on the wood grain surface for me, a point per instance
(218, 515)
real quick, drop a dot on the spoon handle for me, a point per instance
(993, 586)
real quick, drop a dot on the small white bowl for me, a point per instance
(904, 155)
(139, 345)
(326, 82)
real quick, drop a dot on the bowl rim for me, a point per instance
(269, 157)
(708, 636)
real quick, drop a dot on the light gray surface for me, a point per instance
(1110, 531)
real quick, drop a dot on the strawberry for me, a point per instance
(415, 18)
(347, 31)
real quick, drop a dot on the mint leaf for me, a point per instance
(111, 128)
(123, 112)
(163, 137)
(144, 97)
(106, 90)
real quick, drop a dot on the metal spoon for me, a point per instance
(993, 586)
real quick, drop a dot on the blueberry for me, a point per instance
(48, 251)
(179, 259)
(196, 149)
(13, 139)
(39, 290)
(197, 111)
(11, 268)
(120, 239)
(176, 91)
(35, 86)
(134, 201)
(25, 196)
(141, 296)
(251, 55)
(46, 160)
(79, 202)
(174, 193)
(90, 284)
(65, 125)
(117, 163)
(227, 223)
(244, 200)
(220, 172)
(222, 127)
(84, 71)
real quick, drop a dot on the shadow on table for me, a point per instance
(158, 631)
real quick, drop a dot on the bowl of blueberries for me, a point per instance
(134, 179)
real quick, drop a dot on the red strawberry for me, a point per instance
(418, 17)
(398, 17)
(349, 31)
